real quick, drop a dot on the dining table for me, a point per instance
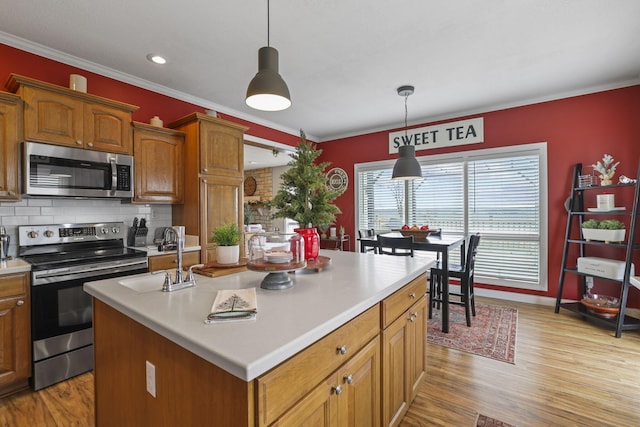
(443, 245)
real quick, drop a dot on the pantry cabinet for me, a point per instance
(214, 165)
(159, 164)
(58, 115)
(10, 138)
(15, 337)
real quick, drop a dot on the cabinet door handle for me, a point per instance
(90, 144)
(411, 318)
(415, 315)
(342, 349)
(337, 389)
(412, 295)
(348, 379)
(19, 302)
(205, 170)
(79, 142)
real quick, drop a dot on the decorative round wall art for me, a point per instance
(337, 180)
(250, 186)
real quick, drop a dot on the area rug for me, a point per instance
(484, 421)
(492, 333)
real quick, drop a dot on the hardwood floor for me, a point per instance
(568, 372)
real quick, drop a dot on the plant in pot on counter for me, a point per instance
(304, 196)
(606, 230)
(227, 238)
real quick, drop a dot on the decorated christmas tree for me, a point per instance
(303, 195)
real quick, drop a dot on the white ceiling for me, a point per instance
(344, 59)
(258, 158)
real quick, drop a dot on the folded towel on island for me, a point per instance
(233, 304)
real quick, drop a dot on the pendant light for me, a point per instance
(407, 166)
(267, 91)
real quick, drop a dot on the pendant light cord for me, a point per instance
(268, 24)
(405, 114)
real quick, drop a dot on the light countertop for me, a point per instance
(287, 321)
(15, 265)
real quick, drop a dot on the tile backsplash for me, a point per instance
(70, 211)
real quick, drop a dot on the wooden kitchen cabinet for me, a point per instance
(403, 349)
(213, 164)
(170, 261)
(15, 335)
(158, 164)
(350, 397)
(349, 350)
(10, 138)
(58, 115)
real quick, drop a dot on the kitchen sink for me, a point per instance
(142, 284)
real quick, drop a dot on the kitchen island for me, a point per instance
(157, 362)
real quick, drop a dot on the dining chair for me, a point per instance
(398, 246)
(365, 234)
(465, 274)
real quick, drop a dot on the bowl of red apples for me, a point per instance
(418, 232)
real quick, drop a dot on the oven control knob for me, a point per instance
(115, 230)
(104, 230)
(32, 234)
(48, 233)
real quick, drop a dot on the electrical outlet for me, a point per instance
(151, 379)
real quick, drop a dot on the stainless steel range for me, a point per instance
(62, 258)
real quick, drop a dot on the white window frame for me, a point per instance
(539, 148)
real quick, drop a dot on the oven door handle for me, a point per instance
(101, 267)
(114, 177)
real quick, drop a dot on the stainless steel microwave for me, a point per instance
(54, 170)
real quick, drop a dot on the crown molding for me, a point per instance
(74, 61)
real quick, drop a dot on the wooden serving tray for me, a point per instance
(213, 269)
(318, 264)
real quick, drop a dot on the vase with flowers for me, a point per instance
(304, 196)
(606, 169)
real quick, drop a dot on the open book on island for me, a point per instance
(233, 304)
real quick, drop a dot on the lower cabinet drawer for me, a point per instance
(13, 284)
(280, 388)
(170, 261)
(398, 302)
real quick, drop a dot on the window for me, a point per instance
(500, 193)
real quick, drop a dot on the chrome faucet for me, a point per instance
(179, 282)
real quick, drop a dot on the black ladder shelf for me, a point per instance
(576, 216)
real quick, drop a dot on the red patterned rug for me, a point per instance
(484, 421)
(492, 333)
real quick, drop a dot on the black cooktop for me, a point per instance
(55, 256)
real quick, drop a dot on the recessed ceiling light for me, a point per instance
(156, 59)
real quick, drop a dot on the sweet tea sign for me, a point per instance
(451, 134)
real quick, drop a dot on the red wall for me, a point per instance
(577, 130)
(151, 103)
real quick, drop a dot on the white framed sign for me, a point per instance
(337, 180)
(451, 134)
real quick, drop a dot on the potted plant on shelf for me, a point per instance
(606, 169)
(606, 230)
(304, 197)
(227, 238)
